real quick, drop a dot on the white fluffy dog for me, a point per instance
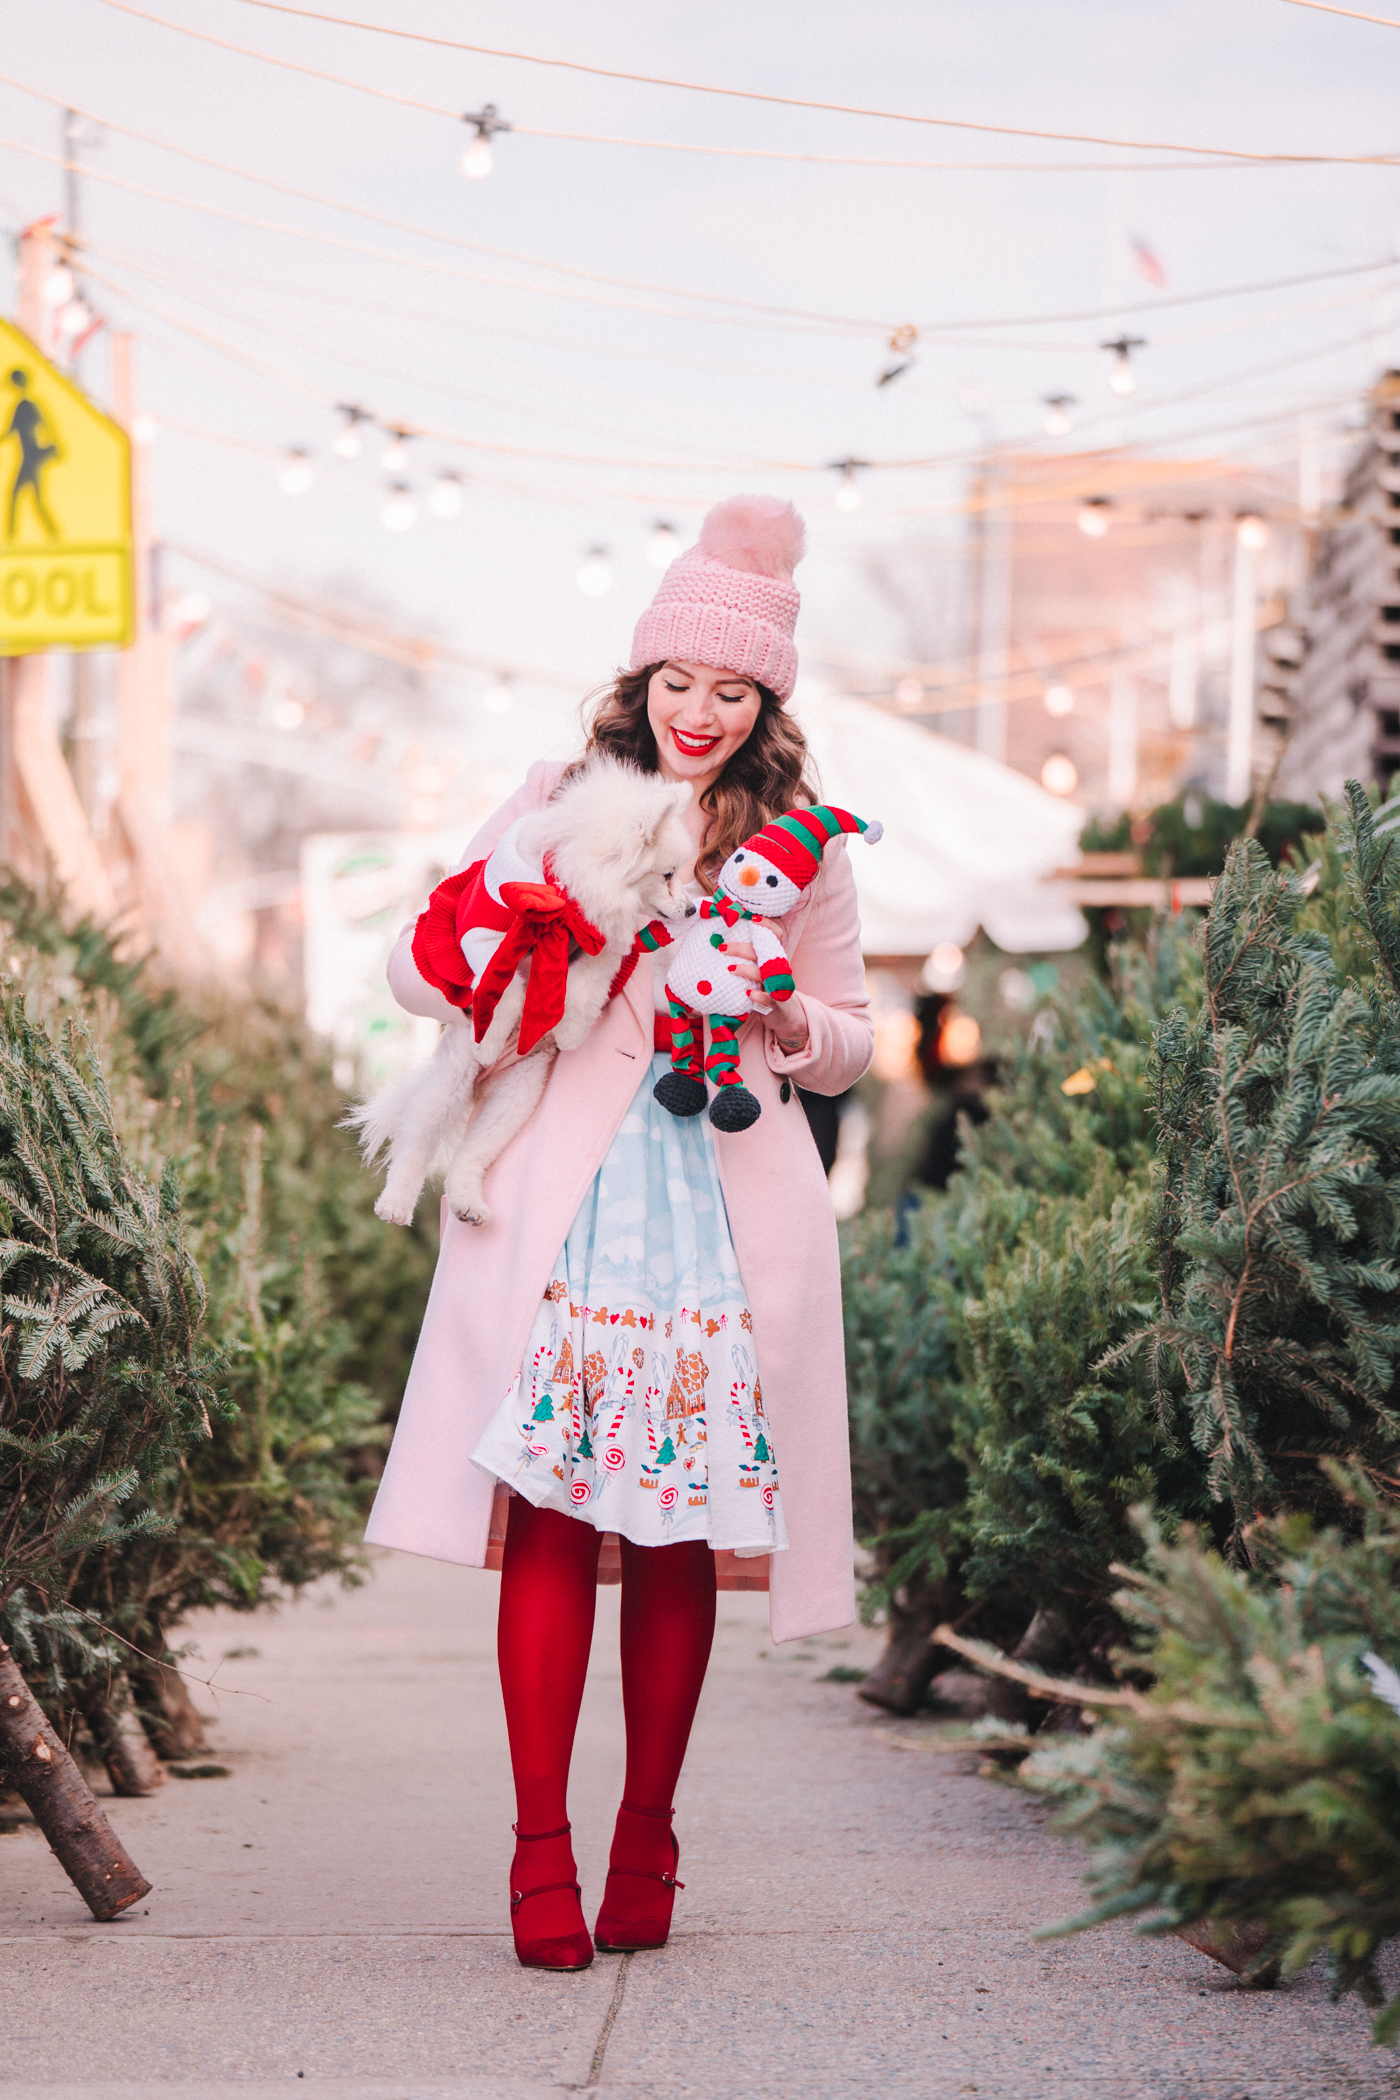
(614, 840)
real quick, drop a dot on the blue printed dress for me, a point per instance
(638, 1406)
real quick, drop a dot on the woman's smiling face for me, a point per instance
(699, 718)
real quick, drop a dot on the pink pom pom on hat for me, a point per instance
(730, 602)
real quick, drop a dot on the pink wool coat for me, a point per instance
(490, 1279)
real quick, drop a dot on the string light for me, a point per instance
(909, 692)
(59, 285)
(76, 316)
(1059, 700)
(664, 544)
(594, 578)
(1122, 379)
(297, 473)
(1057, 416)
(394, 458)
(347, 442)
(1059, 774)
(902, 342)
(144, 428)
(848, 496)
(478, 159)
(499, 698)
(943, 969)
(398, 512)
(445, 495)
(1092, 518)
(1251, 531)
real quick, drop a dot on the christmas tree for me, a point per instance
(666, 1456)
(1257, 1785)
(544, 1410)
(585, 1449)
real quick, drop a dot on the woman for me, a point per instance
(672, 1288)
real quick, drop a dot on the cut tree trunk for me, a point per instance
(35, 1764)
(1043, 1646)
(904, 1672)
(132, 1764)
(169, 1715)
(1234, 1946)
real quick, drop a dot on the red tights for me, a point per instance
(549, 1579)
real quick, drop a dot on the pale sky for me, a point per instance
(664, 411)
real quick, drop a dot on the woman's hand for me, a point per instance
(787, 1022)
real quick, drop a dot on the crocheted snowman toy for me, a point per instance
(760, 881)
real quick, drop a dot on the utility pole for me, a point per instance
(82, 726)
(1239, 735)
(994, 621)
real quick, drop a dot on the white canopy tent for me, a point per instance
(967, 842)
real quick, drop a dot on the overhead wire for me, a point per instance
(351, 357)
(846, 109)
(422, 262)
(1356, 14)
(428, 233)
(767, 153)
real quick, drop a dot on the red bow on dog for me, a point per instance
(545, 921)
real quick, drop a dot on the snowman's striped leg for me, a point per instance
(682, 1089)
(685, 1039)
(722, 1063)
(733, 1107)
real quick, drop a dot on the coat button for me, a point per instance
(785, 1090)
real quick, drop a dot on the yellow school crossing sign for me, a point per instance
(65, 511)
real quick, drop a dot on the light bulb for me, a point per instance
(1057, 417)
(1059, 774)
(943, 969)
(394, 458)
(594, 578)
(664, 545)
(478, 159)
(848, 496)
(191, 609)
(347, 442)
(297, 473)
(74, 317)
(1251, 532)
(398, 511)
(1092, 517)
(59, 286)
(1122, 379)
(498, 699)
(445, 495)
(909, 692)
(144, 427)
(1059, 700)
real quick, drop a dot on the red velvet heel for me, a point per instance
(628, 1929)
(571, 1950)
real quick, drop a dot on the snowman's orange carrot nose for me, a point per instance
(748, 875)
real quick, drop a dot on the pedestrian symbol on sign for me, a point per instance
(65, 510)
(27, 424)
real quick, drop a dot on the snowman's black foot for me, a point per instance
(734, 1108)
(681, 1094)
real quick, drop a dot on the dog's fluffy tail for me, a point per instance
(379, 1119)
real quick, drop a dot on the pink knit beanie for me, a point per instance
(730, 602)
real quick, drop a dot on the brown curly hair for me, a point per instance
(766, 775)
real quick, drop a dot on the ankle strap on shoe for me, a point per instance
(641, 1874)
(535, 1837)
(518, 1896)
(665, 1814)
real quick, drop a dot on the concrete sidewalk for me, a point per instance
(330, 1919)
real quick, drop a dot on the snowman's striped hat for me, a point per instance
(793, 843)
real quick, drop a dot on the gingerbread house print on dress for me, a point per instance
(687, 1394)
